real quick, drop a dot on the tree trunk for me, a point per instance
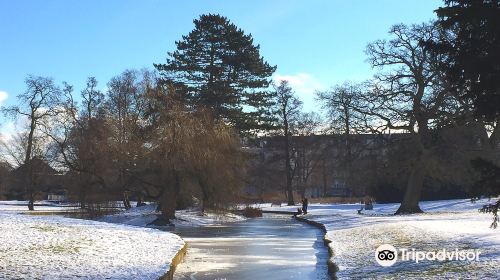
(303, 170)
(204, 193)
(30, 186)
(325, 185)
(168, 200)
(348, 154)
(126, 200)
(167, 206)
(31, 203)
(289, 190)
(414, 189)
(27, 161)
(82, 193)
(288, 167)
(140, 199)
(31, 197)
(418, 172)
(82, 202)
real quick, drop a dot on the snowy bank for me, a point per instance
(54, 247)
(21, 206)
(143, 216)
(449, 224)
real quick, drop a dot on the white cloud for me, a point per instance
(305, 85)
(7, 130)
(302, 83)
(3, 96)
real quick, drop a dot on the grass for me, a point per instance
(252, 212)
(45, 228)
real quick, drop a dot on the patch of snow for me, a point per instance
(144, 215)
(135, 216)
(54, 247)
(192, 217)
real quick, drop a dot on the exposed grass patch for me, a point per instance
(252, 212)
(45, 228)
(59, 249)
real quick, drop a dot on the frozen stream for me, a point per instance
(272, 247)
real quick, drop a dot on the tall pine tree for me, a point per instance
(474, 53)
(218, 66)
(474, 70)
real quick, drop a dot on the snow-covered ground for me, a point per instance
(48, 247)
(15, 206)
(143, 216)
(55, 247)
(448, 224)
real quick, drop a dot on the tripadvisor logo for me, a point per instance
(387, 255)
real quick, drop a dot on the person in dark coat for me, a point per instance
(304, 205)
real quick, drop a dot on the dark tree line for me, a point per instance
(473, 68)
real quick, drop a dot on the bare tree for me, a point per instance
(308, 147)
(339, 103)
(14, 150)
(37, 103)
(288, 108)
(81, 137)
(125, 106)
(408, 95)
(188, 147)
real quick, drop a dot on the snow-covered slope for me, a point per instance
(54, 247)
(447, 224)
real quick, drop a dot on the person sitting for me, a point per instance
(299, 212)
(362, 208)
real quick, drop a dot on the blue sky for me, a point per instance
(314, 43)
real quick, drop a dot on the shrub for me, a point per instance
(251, 212)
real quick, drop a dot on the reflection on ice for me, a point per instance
(273, 247)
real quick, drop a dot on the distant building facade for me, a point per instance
(366, 164)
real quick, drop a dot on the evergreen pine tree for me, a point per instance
(218, 66)
(474, 53)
